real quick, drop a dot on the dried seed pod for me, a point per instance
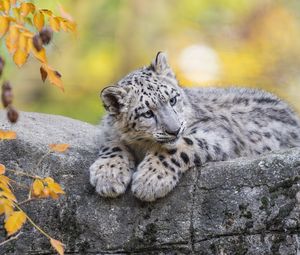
(6, 95)
(2, 63)
(12, 114)
(46, 35)
(37, 42)
(58, 74)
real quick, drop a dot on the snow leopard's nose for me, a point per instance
(173, 132)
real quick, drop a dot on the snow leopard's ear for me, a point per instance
(160, 64)
(114, 99)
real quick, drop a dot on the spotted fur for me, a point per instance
(155, 130)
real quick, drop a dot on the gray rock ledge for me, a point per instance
(244, 206)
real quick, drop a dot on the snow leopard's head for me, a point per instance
(147, 104)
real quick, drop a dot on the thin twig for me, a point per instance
(42, 158)
(32, 222)
(19, 184)
(16, 172)
(26, 201)
(11, 238)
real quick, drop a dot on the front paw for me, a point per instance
(152, 181)
(110, 177)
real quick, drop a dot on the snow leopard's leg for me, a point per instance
(112, 171)
(160, 171)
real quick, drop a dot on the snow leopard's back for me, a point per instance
(255, 119)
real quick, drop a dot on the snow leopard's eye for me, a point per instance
(173, 101)
(148, 114)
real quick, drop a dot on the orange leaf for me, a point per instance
(4, 180)
(54, 23)
(55, 187)
(26, 8)
(54, 77)
(48, 180)
(4, 187)
(4, 21)
(2, 169)
(40, 55)
(20, 57)
(9, 195)
(6, 206)
(46, 192)
(23, 41)
(37, 187)
(12, 39)
(53, 195)
(14, 222)
(48, 12)
(58, 246)
(39, 20)
(7, 135)
(6, 5)
(62, 147)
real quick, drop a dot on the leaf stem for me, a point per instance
(17, 172)
(11, 238)
(26, 200)
(32, 222)
(19, 184)
(42, 158)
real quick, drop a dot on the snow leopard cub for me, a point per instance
(155, 130)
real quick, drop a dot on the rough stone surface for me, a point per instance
(246, 206)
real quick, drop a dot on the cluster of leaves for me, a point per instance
(40, 188)
(27, 30)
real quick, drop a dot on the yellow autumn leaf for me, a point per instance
(26, 8)
(15, 222)
(46, 192)
(56, 188)
(53, 195)
(39, 20)
(6, 206)
(23, 41)
(20, 57)
(72, 27)
(4, 180)
(54, 76)
(58, 246)
(4, 187)
(2, 169)
(12, 39)
(16, 12)
(9, 195)
(54, 23)
(61, 147)
(4, 21)
(67, 25)
(6, 5)
(40, 55)
(7, 135)
(37, 187)
(48, 180)
(13, 2)
(46, 11)
(63, 25)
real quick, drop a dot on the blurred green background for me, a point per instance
(209, 42)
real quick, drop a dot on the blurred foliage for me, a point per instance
(254, 43)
